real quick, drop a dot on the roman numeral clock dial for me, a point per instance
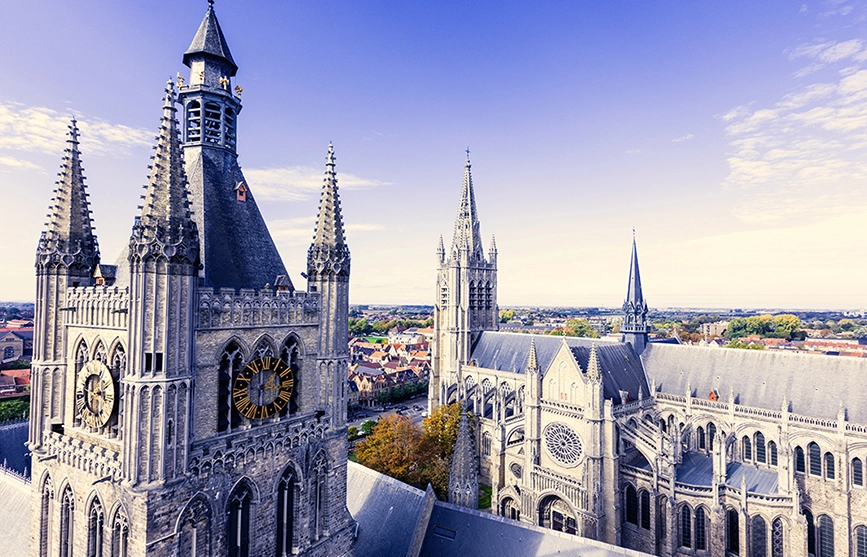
(263, 388)
(94, 394)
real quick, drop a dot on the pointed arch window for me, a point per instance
(212, 123)
(286, 497)
(811, 532)
(194, 121)
(95, 529)
(857, 472)
(46, 532)
(195, 535)
(230, 364)
(67, 513)
(292, 355)
(685, 526)
(645, 509)
(800, 465)
(711, 434)
(861, 541)
(829, 466)
(238, 522)
(699, 434)
(229, 121)
(747, 448)
(761, 450)
(99, 353)
(733, 540)
(758, 537)
(631, 505)
(661, 530)
(700, 529)
(120, 535)
(815, 459)
(486, 444)
(825, 536)
(777, 542)
(772, 453)
(319, 497)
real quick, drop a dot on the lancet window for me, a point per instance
(238, 522)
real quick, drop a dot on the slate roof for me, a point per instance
(209, 40)
(763, 378)
(697, 469)
(14, 516)
(386, 510)
(621, 366)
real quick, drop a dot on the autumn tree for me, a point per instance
(576, 328)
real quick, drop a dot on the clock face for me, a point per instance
(94, 394)
(263, 388)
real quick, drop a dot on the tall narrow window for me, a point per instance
(645, 510)
(229, 119)
(799, 460)
(700, 529)
(291, 354)
(777, 542)
(45, 516)
(815, 459)
(699, 434)
(194, 121)
(661, 530)
(319, 503)
(811, 532)
(631, 505)
(230, 364)
(194, 539)
(761, 455)
(857, 472)
(733, 532)
(238, 522)
(285, 513)
(826, 536)
(120, 535)
(685, 527)
(212, 123)
(829, 466)
(758, 537)
(748, 448)
(95, 529)
(67, 511)
(772, 453)
(861, 541)
(711, 433)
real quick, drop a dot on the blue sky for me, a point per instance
(732, 136)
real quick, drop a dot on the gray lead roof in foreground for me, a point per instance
(815, 385)
(620, 365)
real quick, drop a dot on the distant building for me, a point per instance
(16, 343)
(717, 328)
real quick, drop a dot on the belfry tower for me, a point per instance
(466, 300)
(635, 326)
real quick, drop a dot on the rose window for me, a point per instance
(562, 444)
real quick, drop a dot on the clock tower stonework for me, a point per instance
(189, 401)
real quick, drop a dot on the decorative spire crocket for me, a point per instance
(635, 309)
(463, 473)
(467, 233)
(166, 227)
(68, 240)
(329, 254)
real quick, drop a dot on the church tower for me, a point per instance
(466, 301)
(635, 325)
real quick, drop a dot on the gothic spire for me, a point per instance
(532, 359)
(463, 473)
(441, 250)
(165, 218)
(210, 42)
(69, 230)
(635, 308)
(329, 253)
(634, 296)
(467, 235)
(594, 373)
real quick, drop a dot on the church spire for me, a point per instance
(166, 226)
(532, 359)
(68, 238)
(329, 254)
(635, 308)
(210, 42)
(463, 473)
(467, 234)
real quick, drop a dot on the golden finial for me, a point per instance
(224, 81)
(238, 90)
(180, 80)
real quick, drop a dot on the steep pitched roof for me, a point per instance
(620, 365)
(467, 232)
(763, 378)
(209, 41)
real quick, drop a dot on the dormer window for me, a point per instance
(241, 191)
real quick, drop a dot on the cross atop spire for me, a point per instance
(467, 233)
(165, 217)
(69, 230)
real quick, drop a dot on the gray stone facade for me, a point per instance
(141, 445)
(667, 449)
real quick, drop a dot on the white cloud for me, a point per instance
(38, 129)
(18, 163)
(686, 137)
(297, 183)
(806, 156)
(299, 231)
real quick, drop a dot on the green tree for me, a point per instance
(506, 315)
(13, 409)
(576, 328)
(785, 324)
(367, 426)
(353, 433)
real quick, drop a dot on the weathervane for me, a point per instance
(468, 152)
